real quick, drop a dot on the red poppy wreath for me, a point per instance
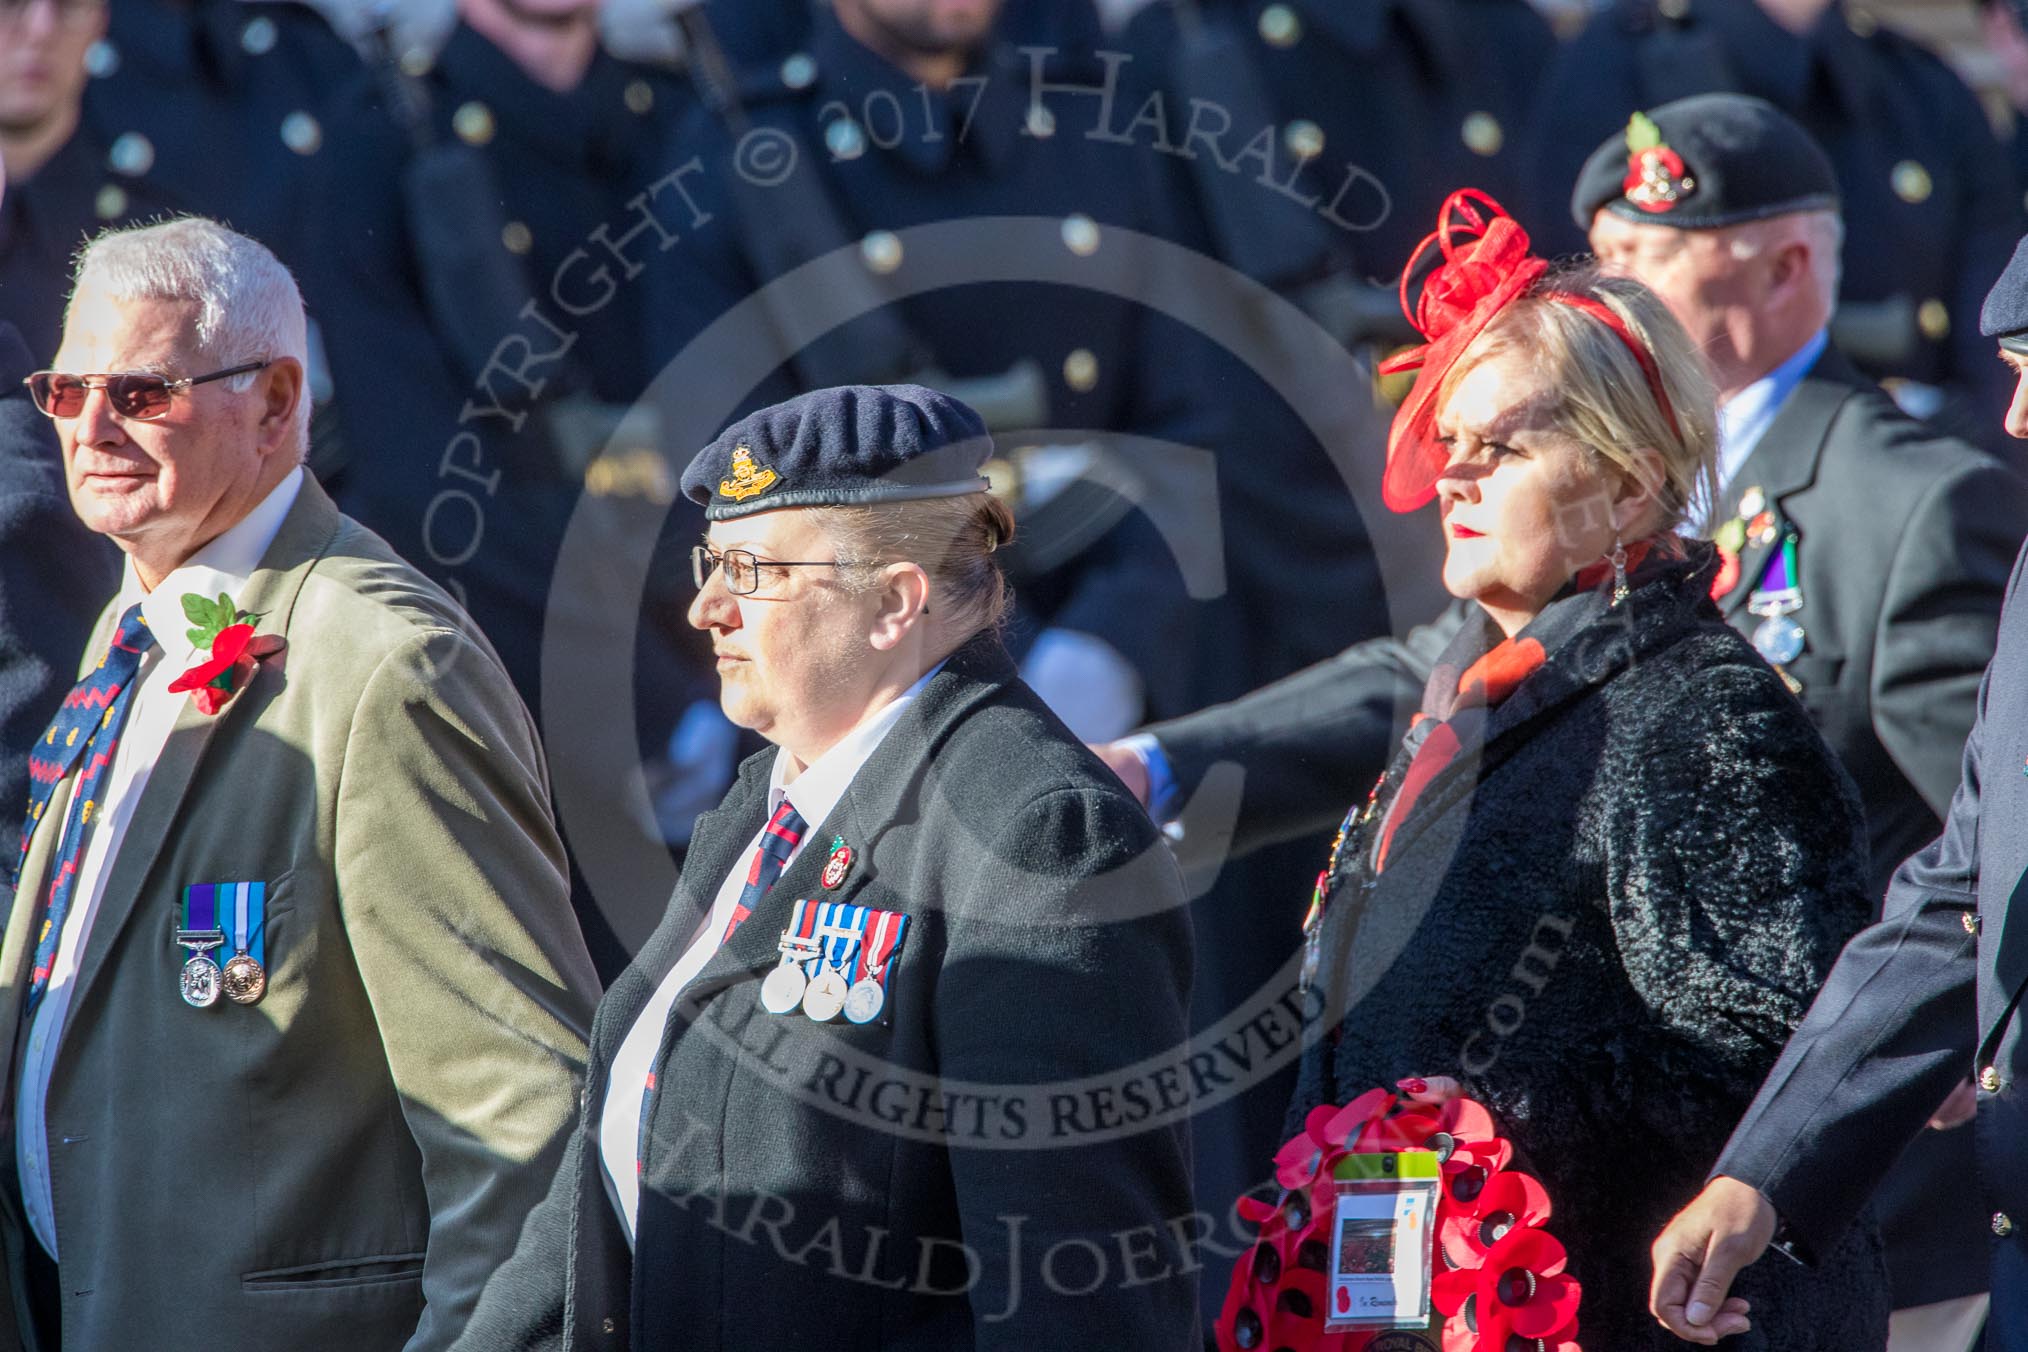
(1499, 1278)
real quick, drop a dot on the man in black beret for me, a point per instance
(872, 1084)
(1930, 198)
(1929, 994)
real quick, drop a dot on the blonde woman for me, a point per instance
(1613, 861)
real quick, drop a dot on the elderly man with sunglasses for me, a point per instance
(298, 1003)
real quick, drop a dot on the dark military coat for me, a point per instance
(221, 104)
(46, 219)
(1047, 942)
(1930, 204)
(889, 155)
(1420, 97)
(1926, 997)
(55, 576)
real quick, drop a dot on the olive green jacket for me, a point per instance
(339, 1167)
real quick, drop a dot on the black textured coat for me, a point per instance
(1605, 919)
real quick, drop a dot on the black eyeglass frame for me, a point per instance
(40, 393)
(704, 560)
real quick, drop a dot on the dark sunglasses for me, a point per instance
(132, 394)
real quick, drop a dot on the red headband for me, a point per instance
(1486, 267)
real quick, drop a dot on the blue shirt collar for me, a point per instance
(1744, 419)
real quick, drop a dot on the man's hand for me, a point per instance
(1128, 766)
(1702, 1250)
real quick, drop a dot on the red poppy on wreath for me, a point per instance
(1521, 1290)
(1508, 1200)
(235, 651)
(1487, 1220)
(1657, 179)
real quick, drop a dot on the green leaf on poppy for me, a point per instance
(1642, 133)
(199, 638)
(225, 610)
(196, 609)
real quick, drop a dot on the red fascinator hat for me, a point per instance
(1485, 267)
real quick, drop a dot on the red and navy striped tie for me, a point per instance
(777, 843)
(83, 737)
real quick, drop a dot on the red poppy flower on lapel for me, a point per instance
(1521, 1289)
(235, 652)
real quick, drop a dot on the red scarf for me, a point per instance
(1482, 685)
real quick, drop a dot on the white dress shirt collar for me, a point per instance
(224, 565)
(824, 781)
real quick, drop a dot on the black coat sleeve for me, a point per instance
(1735, 871)
(1069, 961)
(1940, 619)
(1892, 1031)
(1298, 752)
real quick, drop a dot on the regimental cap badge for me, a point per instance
(749, 479)
(1657, 178)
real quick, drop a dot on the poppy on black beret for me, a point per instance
(1706, 161)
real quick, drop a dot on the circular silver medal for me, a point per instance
(783, 990)
(200, 982)
(244, 980)
(1779, 639)
(862, 1004)
(825, 997)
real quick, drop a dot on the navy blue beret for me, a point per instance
(2005, 313)
(1703, 162)
(842, 447)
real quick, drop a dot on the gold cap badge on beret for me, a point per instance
(1656, 176)
(748, 478)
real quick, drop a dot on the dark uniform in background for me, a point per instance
(55, 576)
(1931, 206)
(880, 154)
(1926, 997)
(484, 344)
(1419, 97)
(77, 192)
(220, 105)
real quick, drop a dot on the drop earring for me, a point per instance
(1619, 561)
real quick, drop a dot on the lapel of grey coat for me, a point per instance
(1785, 461)
(901, 768)
(305, 534)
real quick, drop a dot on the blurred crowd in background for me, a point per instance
(550, 247)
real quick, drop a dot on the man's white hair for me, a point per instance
(248, 305)
(1822, 232)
